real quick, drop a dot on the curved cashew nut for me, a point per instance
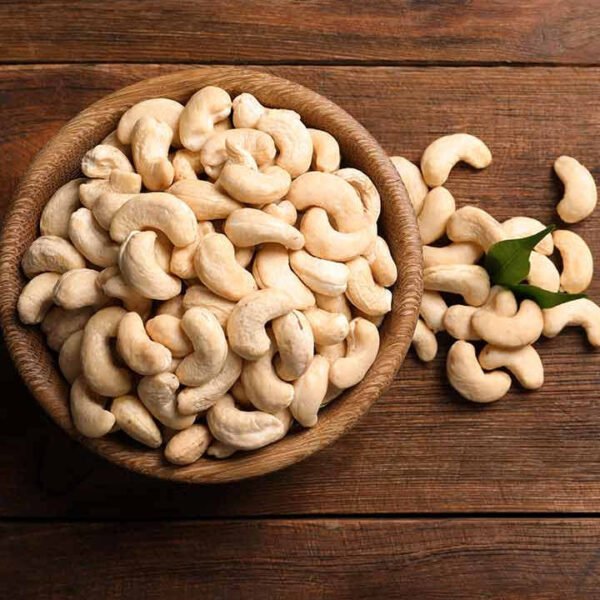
(182, 259)
(510, 332)
(328, 328)
(187, 446)
(112, 139)
(333, 194)
(363, 292)
(578, 262)
(382, 264)
(467, 377)
(580, 195)
(139, 352)
(57, 212)
(362, 345)
(192, 400)
(198, 295)
(457, 322)
(135, 420)
(205, 200)
(97, 361)
(246, 324)
(59, 324)
(326, 151)
(438, 207)
(295, 344)
(164, 109)
(100, 161)
(471, 224)
(524, 363)
(543, 273)
(121, 182)
(582, 312)
(218, 270)
(247, 110)
(442, 154)
(322, 240)
(283, 210)
(167, 330)
(158, 393)
(365, 188)
(250, 227)
(69, 358)
(243, 430)
(36, 298)
(114, 286)
(210, 347)
(322, 276)
(220, 450)
(502, 301)
(424, 342)
(309, 392)
(332, 352)
(244, 256)
(291, 138)
(173, 307)
(50, 253)
(197, 121)
(335, 304)
(520, 227)
(470, 281)
(77, 288)
(186, 165)
(271, 269)
(458, 253)
(433, 310)
(87, 410)
(91, 240)
(107, 205)
(150, 143)
(140, 269)
(413, 181)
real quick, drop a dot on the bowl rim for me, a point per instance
(58, 161)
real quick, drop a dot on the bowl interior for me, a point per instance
(59, 162)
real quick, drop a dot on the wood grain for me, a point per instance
(420, 449)
(320, 31)
(329, 558)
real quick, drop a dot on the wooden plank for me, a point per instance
(420, 449)
(379, 31)
(329, 558)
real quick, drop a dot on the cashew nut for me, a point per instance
(87, 410)
(97, 361)
(186, 165)
(205, 200)
(220, 450)
(326, 151)
(470, 281)
(543, 273)
(135, 420)
(59, 324)
(382, 264)
(438, 207)
(524, 363)
(243, 430)
(467, 377)
(182, 259)
(328, 328)
(112, 139)
(457, 322)
(471, 224)
(271, 269)
(107, 205)
(173, 307)
(295, 344)
(158, 393)
(246, 324)
(100, 161)
(332, 352)
(412, 180)
(164, 109)
(50, 253)
(510, 332)
(362, 345)
(192, 400)
(424, 342)
(114, 286)
(580, 195)
(69, 358)
(247, 110)
(198, 295)
(91, 240)
(363, 292)
(150, 143)
(520, 227)
(187, 446)
(458, 253)
(442, 154)
(335, 304)
(322, 276)
(167, 330)
(309, 392)
(365, 188)
(577, 260)
(210, 347)
(502, 301)
(283, 210)
(197, 121)
(582, 312)
(121, 182)
(36, 298)
(57, 212)
(433, 309)
(77, 288)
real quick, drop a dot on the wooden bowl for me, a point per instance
(59, 161)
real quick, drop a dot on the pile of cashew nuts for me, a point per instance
(491, 314)
(213, 277)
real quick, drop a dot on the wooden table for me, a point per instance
(428, 497)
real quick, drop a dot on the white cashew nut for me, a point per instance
(150, 143)
(100, 161)
(69, 358)
(471, 224)
(173, 307)
(309, 392)
(158, 393)
(283, 210)
(112, 139)
(36, 298)
(250, 227)
(77, 288)
(412, 180)
(187, 446)
(134, 419)
(59, 324)
(50, 253)
(580, 195)
(582, 312)
(438, 207)
(114, 286)
(198, 295)
(182, 259)
(543, 273)
(470, 281)
(295, 345)
(205, 200)
(332, 352)
(186, 165)
(382, 263)
(424, 342)
(524, 363)
(87, 410)
(369, 297)
(326, 151)
(321, 276)
(91, 240)
(122, 182)
(247, 110)
(457, 322)
(58, 210)
(335, 304)
(520, 227)
(577, 260)
(107, 205)
(458, 253)
(167, 330)
(433, 309)
(365, 188)
(164, 109)
(328, 328)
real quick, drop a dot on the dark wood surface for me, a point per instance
(420, 451)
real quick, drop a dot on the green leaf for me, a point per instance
(543, 298)
(507, 262)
